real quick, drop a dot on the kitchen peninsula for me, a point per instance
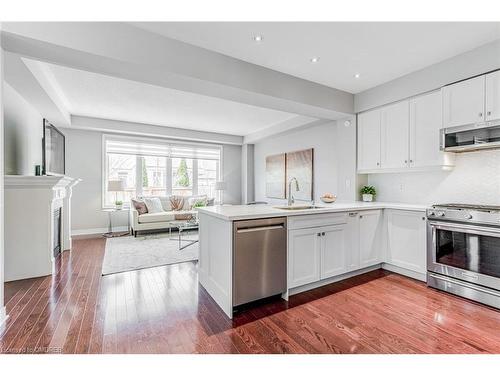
(291, 251)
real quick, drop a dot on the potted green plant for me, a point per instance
(368, 192)
(118, 204)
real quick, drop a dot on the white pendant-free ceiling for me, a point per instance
(96, 95)
(377, 51)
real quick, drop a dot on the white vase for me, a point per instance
(367, 197)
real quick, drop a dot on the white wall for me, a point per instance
(2, 302)
(84, 160)
(23, 131)
(477, 61)
(475, 179)
(334, 158)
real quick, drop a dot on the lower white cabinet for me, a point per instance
(370, 235)
(406, 240)
(333, 250)
(304, 252)
(322, 252)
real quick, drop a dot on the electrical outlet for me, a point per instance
(347, 183)
(401, 186)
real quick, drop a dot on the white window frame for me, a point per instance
(168, 174)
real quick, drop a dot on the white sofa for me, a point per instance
(161, 220)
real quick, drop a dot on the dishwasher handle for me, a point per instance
(261, 228)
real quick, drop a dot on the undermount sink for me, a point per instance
(297, 207)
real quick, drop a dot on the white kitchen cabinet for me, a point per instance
(353, 241)
(369, 140)
(394, 135)
(364, 239)
(406, 240)
(304, 252)
(322, 252)
(492, 107)
(333, 250)
(425, 127)
(370, 230)
(409, 137)
(463, 102)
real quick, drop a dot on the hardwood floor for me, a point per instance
(164, 310)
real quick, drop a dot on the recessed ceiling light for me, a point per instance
(314, 59)
(258, 38)
(357, 75)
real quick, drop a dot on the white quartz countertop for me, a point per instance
(243, 212)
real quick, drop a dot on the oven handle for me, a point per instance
(472, 229)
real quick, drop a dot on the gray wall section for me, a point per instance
(477, 61)
(84, 160)
(334, 156)
(247, 173)
(23, 133)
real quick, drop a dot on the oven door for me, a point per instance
(466, 252)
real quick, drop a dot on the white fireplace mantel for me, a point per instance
(30, 202)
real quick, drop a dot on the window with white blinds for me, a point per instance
(156, 167)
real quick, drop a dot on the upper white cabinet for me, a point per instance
(463, 102)
(493, 96)
(406, 240)
(425, 127)
(369, 140)
(402, 136)
(394, 135)
(471, 101)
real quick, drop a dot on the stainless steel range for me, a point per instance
(463, 251)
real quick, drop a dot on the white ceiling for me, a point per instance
(96, 95)
(379, 52)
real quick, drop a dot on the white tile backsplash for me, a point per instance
(475, 179)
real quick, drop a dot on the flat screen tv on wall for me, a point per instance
(53, 150)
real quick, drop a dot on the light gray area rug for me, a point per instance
(133, 253)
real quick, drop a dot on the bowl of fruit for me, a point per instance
(328, 198)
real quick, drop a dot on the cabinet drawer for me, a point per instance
(316, 220)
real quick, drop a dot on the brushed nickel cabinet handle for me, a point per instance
(480, 114)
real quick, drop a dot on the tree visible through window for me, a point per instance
(169, 171)
(182, 174)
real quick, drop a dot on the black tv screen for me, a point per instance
(53, 147)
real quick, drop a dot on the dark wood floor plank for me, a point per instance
(165, 310)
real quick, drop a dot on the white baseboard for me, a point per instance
(3, 317)
(389, 267)
(405, 272)
(330, 280)
(80, 232)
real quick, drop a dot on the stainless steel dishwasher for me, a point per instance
(259, 259)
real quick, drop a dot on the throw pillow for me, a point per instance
(140, 206)
(153, 205)
(210, 202)
(177, 202)
(197, 202)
